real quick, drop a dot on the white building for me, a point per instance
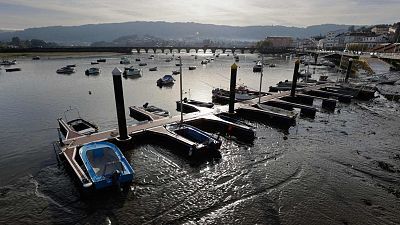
(330, 39)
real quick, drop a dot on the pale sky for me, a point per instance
(19, 14)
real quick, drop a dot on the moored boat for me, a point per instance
(131, 71)
(75, 127)
(142, 64)
(147, 112)
(13, 69)
(258, 67)
(8, 63)
(36, 58)
(204, 62)
(166, 80)
(192, 67)
(205, 144)
(125, 61)
(176, 72)
(66, 70)
(198, 103)
(94, 63)
(92, 71)
(106, 165)
(153, 69)
(101, 60)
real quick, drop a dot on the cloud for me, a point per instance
(31, 13)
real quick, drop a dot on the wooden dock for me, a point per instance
(207, 119)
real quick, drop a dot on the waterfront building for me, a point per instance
(280, 41)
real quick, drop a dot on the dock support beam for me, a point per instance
(119, 101)
(294, 80)
(232, 90)
(348, 70)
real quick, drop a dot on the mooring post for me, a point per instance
(119, 102)
(294, 80)
(349, 70)
(232, 90)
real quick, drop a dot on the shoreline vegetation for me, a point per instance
(57, 55)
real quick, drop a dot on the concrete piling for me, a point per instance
(232, 90)
(294, 80)
(349, 70)
(120, 105)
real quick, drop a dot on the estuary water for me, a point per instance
(339, 168)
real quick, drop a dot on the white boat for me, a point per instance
(8, 63)
(125, 61)
(66, 70)
(131, 71)
(92, 71)
(258, 67)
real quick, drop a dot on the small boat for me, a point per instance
(8, 63)
(101, 60)
(147, 112)
(242, 94)
(258, 67)
(205, 144)
(36, 58)
(13, 69)
(272, 65)
(106, 165)
(304, 73)
(168, 60)
(92, 71)
(204, 62)
(192, 67)
(178, 64)
(66, 70)
(165, 80)
(176, 72)
(124, 61)
(142, 64)
(71, 65)
(76, 127)
(155, 110)
(153, 69)
(131, 71)
(94, 63)
(137, 60)
(196, 103)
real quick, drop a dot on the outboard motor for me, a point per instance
(115, 178)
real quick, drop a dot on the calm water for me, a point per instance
(340, 168)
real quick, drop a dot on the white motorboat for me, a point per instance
(131, 71)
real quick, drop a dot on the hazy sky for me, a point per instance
(19, 14)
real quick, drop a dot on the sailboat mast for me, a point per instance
(180, 85)
(262, 73)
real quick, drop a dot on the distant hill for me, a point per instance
(107, 32)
